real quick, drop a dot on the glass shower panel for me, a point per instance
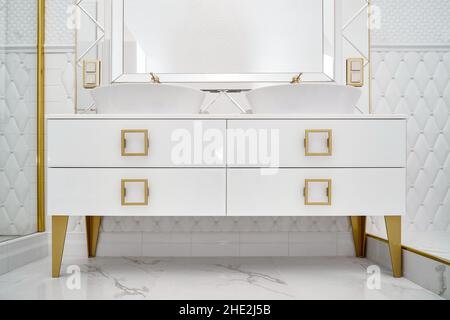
(18, 118)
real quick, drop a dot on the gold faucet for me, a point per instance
(154, 78)
(297, 78)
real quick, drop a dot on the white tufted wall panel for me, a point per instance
(416, 82)
(411, 71)
(218, 224)
(17, 143)
(18, 117)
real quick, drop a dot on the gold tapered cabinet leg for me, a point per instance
(359, 235)
(59, 229)
(394, 233)
(92, 231)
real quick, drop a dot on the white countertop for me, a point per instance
(228, 116)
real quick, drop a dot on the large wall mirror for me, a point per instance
(220, 44)
(223, 40)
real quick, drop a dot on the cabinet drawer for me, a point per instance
(330, 192)
(135, 143)
(317, 143)
(136, 192)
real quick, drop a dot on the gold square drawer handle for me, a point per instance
(306, 192)
(145, 187)
(145, 143)
(329, 143)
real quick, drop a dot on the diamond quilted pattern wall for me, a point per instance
(416, 83)
(411, 75)
(18, 118)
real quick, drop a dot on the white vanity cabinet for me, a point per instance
(231, 165)
(234, 165)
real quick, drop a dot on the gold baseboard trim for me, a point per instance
(412, 250)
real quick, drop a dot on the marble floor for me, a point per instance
(206, 278)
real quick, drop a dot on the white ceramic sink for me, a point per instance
(146, 98)
(304, 98)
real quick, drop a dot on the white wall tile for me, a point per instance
(221, 238)
(320, 249)
(23, 250)
(345, 244)
(166, 249)
(120, 244)
(313, 244)
(174, 237)
(312, 237)
(3, 259)
(425, 272)
(267, 249)
(75, 245)
(379, 252)
(26, 250)
(264, 237)
(215, 250)
(412, 21)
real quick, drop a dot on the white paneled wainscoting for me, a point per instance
(415, 80)
(18, 140)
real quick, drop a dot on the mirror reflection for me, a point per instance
(224, 37)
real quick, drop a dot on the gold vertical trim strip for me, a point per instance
(40, 118)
